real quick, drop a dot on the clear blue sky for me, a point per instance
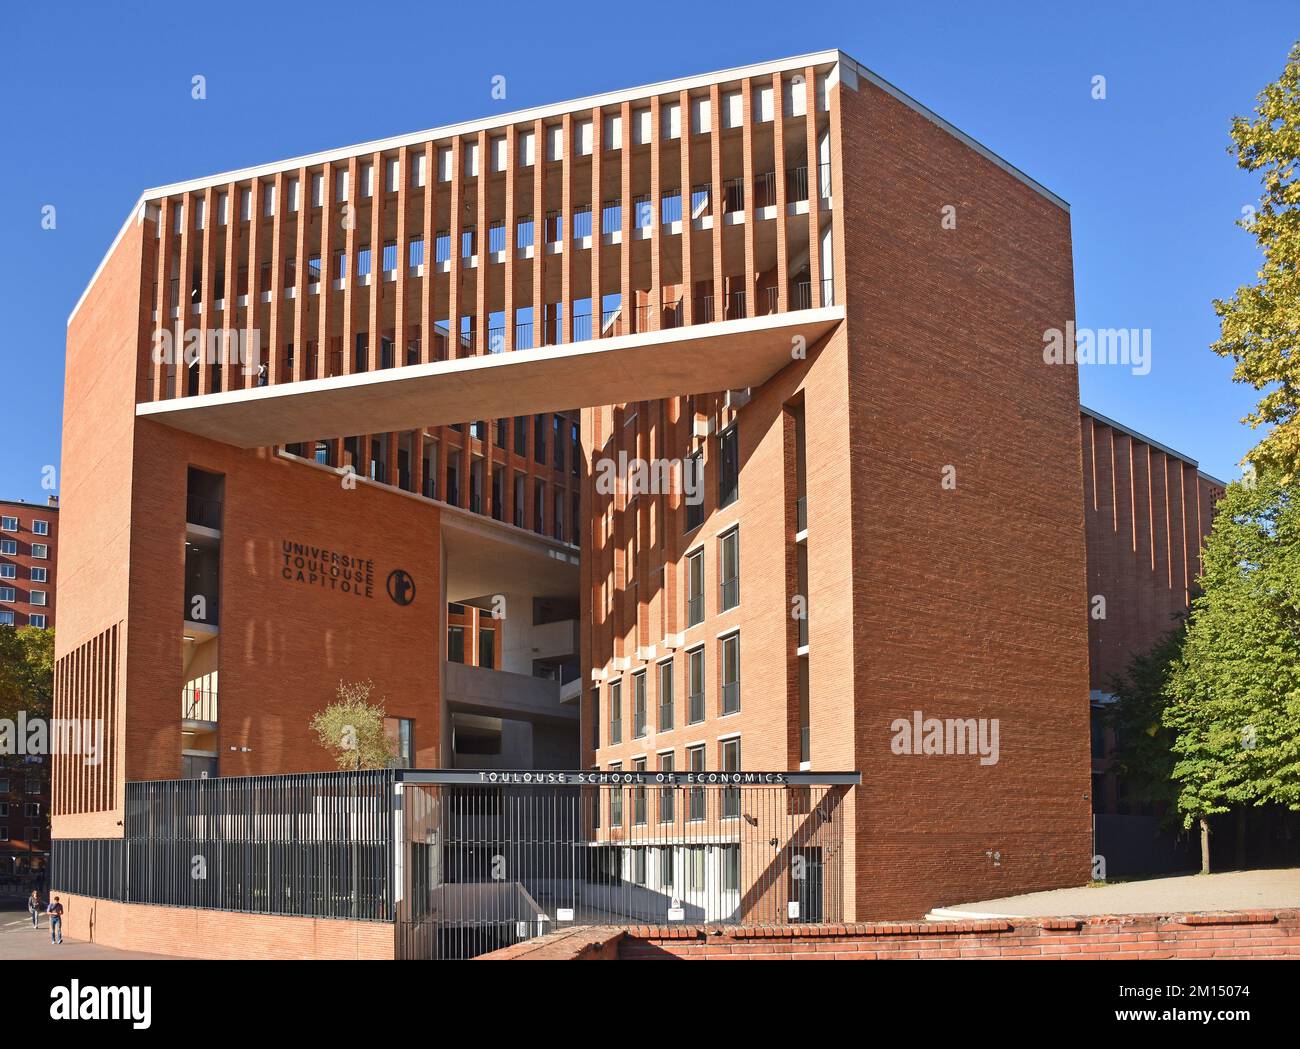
(95, 106)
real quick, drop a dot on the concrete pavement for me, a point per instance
(1231, 891)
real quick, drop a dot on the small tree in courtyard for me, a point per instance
(352, 728)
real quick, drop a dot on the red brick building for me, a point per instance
(29, 547)
(1148, 511)
(789, 282)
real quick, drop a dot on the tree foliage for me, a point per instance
(1234, 695)
(1144, 755)
(26, 671)
(352, 728)
(1260, 323)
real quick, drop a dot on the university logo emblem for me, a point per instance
(401, 587)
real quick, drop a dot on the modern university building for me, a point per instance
(667, 434)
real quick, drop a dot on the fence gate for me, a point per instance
(486, 859)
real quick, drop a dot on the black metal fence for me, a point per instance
(467, 862)
(488, 864)
(318, 845)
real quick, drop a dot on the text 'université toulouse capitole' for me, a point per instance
(747, 272)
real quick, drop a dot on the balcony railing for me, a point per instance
(206, 513)
(198, 704)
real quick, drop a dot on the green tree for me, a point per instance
(26, 671)
(1144, 755)
(1234, 695)
(352, 728)
(1260, 324)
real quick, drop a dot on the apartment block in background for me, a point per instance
(29, 545)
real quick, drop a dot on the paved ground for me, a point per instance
(18, 940)
(1235, 890)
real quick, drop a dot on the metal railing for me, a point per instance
(464, 862)
(493, 858)
(203, 512)
(198, 704)
(311, 845)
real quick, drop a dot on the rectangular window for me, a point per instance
(595, 719)
(539, 439)
(694, 467)
(8, 524)
(695, 588)
(616, 712)
(695, 758)
(456, 644)
(638, 705)
(729, 856)
(729, 558)
(731, 763)
(8, 546)
(487, 648)
(730, 674)
(40, 550)
(39, 575)
(36, 620)
(7, 593)
(6, 618)
(638, 864)
(665, 696)
(521, 435)
(8, 571)
(695, 685)
(37, 598)
(695, 865)
(667, 801)
(667, 882)
(40, 527)
(639, 797)
(729, 468)
(615, 799)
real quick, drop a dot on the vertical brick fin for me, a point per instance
(86, 698)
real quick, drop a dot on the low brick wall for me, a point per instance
(1238, 934)
(579, 944)
(194, 933)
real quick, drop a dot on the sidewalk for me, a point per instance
(18, 940)
(1231, 891)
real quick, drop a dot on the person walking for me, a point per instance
(34, 908)
(55, 911)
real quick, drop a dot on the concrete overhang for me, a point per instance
(700, 358)
(488, 557)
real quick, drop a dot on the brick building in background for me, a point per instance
(790, 281)
(29, 545)
(1148, 511)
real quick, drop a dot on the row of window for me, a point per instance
(728, 577)
(36, 573)
(34, 619)
(34, 832)
(31, 809)
(35, 597)
(728, 477)
(31, 784)
(729, 680)
(677, 869)
(10, 524)
(664, 802)
(9, 548)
